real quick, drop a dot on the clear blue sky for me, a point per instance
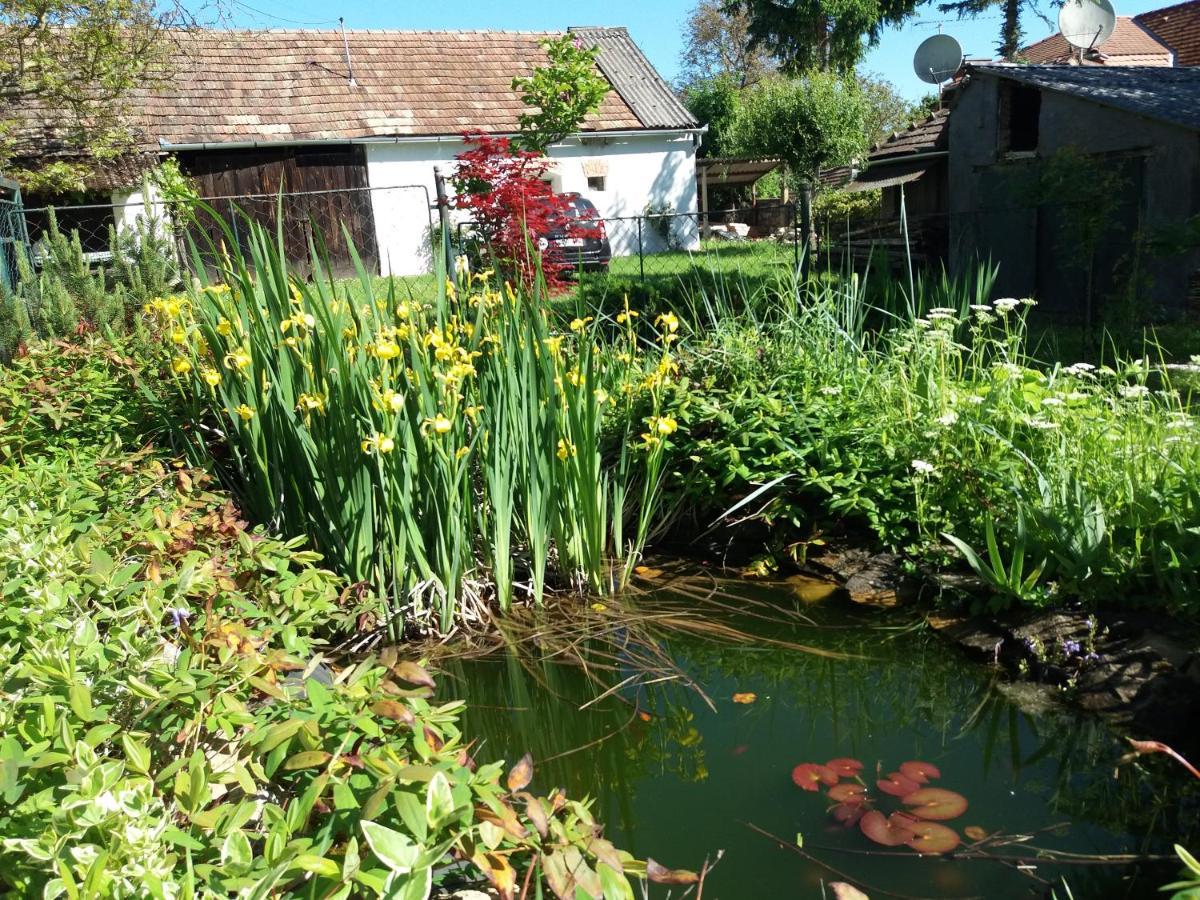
(656, 25)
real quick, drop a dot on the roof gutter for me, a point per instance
(897, 160)
(168, 147)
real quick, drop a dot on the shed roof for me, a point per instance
(922, 136)
(1178, 27)
(1129, 45)
(728, 171)
(1169, 94)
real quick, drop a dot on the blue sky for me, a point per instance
(655, 24)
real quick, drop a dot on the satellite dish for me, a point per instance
(1086, 23)
(938, 58)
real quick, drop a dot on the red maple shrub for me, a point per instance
(513, 210)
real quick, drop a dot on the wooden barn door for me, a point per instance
(324, 189)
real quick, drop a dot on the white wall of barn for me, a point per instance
(636, 171)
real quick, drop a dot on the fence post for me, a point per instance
(795, 238)
(641, 253)
(237, 238)
(443, 204)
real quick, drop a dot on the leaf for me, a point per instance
(897, 784)
(660, 874)
(409, 671)
(236, 850)
(843, 891)
(920, 772)
(395, 850)
(936, 803)
(521, 774)
(883, 830)
(498, 871)
(844, 766)
(307, 759)
(745, 698)
(439, 803)
(318, 865)
(534, 811)
(136, 754)
(395, 710)
(808, 776)
(409, 885)
(933, 837)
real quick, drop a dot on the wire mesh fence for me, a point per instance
(14, 240)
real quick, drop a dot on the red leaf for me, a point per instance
(844, 766)
(883, 831)
(809, 775)
(930, 837)
(936, 803)
(848, 813)
(897, 785)
(920, 772)
(848, 792)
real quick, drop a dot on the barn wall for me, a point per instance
(993, 216)
(637, 170)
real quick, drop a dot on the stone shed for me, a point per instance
(1083, 183)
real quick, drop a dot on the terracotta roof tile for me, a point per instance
(1179, 28)
(1129, 45)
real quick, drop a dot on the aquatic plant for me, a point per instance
(423, 446)
(918, 825)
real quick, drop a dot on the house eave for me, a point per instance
(168, 147)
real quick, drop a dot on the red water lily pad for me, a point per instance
(936, 803)
(847, 813)
(809, 776)
(844, 766)
(897, 784)
(920, 772)
(848, 792)
(884, 831)
(932, 837)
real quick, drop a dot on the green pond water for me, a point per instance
(676, 780)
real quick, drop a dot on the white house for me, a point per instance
(351, 126)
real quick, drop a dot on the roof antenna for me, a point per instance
(346, 47)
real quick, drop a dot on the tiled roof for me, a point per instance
(1179, 28)
(1129, 45)
(1168, 94)
(294, 86)
(924, 136)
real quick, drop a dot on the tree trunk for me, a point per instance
(1010, 33)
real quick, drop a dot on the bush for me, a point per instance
(175, 724)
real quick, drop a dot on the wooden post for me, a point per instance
(443, 205)
(703, 201)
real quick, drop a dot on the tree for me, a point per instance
(1011, 32)
(559, 95)
(512, 208)
(887, 111)
(811, 122)
(819, 34)
(716, 47)
(66, 72)
(714, 102)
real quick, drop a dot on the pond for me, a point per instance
(676, 778)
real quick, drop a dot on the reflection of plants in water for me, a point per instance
(919, 827)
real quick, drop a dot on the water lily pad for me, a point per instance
(848, 792)
(932, 837)
(920, 772)
(897, 785)
(883, 830)
(936, 803)
(847, 813)
(844, 766)
(810, 776)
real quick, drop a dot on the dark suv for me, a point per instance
(583, 243)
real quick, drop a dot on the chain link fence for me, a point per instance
(14, 240)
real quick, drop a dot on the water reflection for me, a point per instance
(675, 777)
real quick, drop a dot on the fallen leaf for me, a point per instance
(843, 891)
(409, 671)
(660, 874)
(975, 833)
(747, 697)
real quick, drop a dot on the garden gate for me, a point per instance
(14, 238)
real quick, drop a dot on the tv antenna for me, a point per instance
(1086, 24)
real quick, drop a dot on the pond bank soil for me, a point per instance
(1139, 670)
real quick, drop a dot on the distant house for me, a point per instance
(1160, 37)
(357, 124)
(1140, 124)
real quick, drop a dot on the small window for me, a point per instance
(1020, 111)
(595, 182)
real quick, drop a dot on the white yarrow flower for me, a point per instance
(948, 419)
(922, 468)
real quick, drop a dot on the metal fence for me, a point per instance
(393, 231)
(14, 239)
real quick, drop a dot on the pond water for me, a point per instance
(677, 779)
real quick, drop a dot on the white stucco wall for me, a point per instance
(657, 168)
(143, 202)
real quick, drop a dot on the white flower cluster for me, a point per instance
(1133, 391)
(921, 467)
